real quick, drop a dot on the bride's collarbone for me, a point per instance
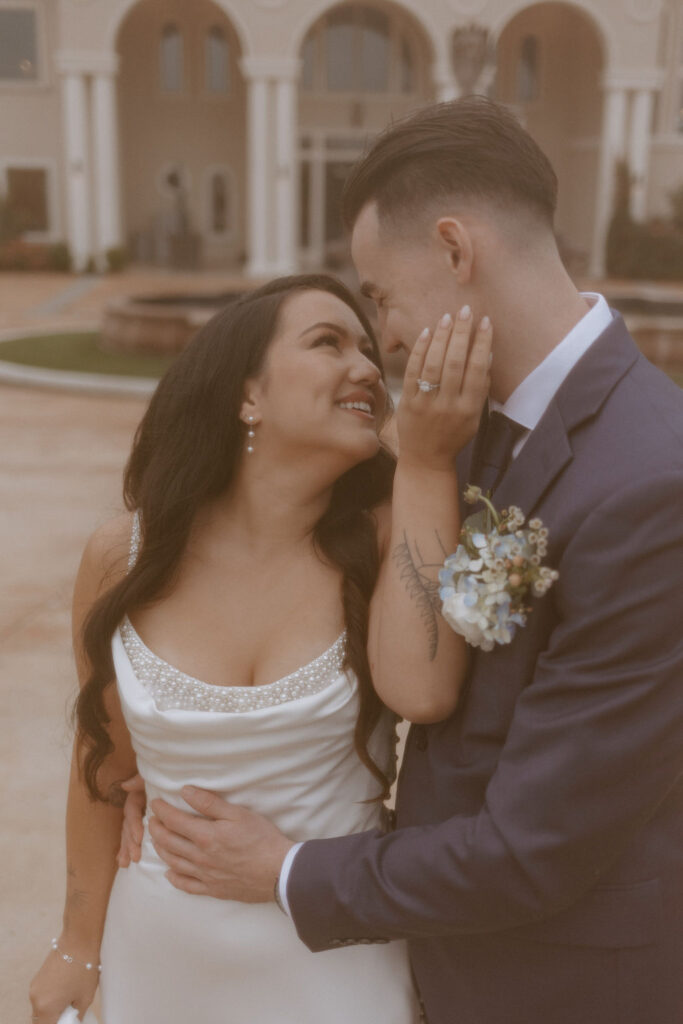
(245, 636)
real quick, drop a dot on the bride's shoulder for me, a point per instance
(105, 556)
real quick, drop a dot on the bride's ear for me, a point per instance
(457, 246)
(250, 411)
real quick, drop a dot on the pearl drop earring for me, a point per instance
(251, 434)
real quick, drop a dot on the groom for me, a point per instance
(537, 864)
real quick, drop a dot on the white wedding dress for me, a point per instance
(286, 750)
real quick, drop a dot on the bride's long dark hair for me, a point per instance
(185, 453)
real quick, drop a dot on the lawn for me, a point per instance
(79, 352)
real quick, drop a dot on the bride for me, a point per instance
(244, 607)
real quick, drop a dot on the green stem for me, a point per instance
(491, 508)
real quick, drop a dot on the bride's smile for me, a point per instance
(321, 388)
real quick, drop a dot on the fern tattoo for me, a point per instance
(423, 590)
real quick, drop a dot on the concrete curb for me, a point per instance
(68, 380)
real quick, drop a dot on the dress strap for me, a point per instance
(135, 537)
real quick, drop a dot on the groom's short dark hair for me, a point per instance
(471, 148)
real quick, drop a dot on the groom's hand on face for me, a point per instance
(229, 852)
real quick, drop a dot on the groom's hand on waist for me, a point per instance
(229, 852)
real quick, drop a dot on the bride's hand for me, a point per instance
(58, 985)
(435, 423)
(132, 829)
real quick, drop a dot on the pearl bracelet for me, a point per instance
(72, 960)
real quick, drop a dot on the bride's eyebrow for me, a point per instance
(364, 341)
(327, 325)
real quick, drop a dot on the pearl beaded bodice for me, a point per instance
(172, 689)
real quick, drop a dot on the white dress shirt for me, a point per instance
(526, 406)
(531, 398)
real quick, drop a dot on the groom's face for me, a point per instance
(410, 280)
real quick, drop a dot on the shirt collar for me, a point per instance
(531, 398)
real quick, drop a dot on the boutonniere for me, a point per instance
(485, 585)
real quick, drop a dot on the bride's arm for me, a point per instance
(417, 661)
(93, 828)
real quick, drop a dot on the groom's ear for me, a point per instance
(458, 249)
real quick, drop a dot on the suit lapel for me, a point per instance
(548, 448)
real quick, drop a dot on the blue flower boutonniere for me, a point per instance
(486, 583)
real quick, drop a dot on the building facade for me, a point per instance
(218, 132)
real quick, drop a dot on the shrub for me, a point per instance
(60, 257)
(117, 259)
(10, 225)
(19, 255)
(649, 251)
(16, 254)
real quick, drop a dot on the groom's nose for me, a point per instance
(390, 339)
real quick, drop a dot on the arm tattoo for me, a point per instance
(423, 590)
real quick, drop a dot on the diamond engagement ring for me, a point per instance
(424, 385)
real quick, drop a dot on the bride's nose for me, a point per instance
(363, 370)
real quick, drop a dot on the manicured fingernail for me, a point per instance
(465, 313)
(490, 358)
(485, 324)
(446, 320)
(424, 334)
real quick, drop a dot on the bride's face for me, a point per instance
(321, 389)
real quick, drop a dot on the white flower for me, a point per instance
(483, 593)
(467, 620)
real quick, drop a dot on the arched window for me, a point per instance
(357, 48)
(406, 66)
(309, 60)
(528, 70)
(374, 50)
(340, 50)
(217, 57)
(18, 45)
(171, 59)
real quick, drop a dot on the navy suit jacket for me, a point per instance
(537, 866)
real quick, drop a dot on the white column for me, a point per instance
(259, 214)
(445, 85)
(317, 204)
(286, 177)
(639, 150)
(75, 121)
(106, 158)
(613, 149)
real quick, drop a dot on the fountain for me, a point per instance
(160, 324)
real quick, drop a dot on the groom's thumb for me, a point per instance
(206, 803)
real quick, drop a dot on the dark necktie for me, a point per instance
(499, 440)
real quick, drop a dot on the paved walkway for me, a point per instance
(61, 458)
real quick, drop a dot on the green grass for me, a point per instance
(79, 352)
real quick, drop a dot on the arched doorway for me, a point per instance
(182, 131)
(362, 66)
(550, 59)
